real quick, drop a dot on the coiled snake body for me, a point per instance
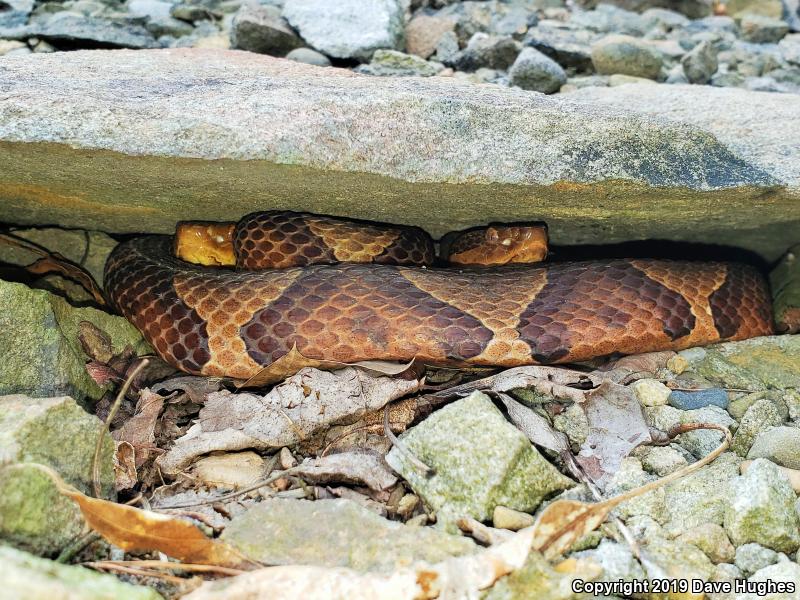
(226, 322)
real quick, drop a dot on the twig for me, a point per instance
(167, 566)
(680, 473)
(401, 448)
(68, 553)
(107, 423)
(274, 477)
(576, 469)
(110, 566)
(552, 381)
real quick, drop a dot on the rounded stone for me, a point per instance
(627, 56)
(651, 392)
(534, 71)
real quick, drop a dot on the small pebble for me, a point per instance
(693, 355)
(507, 518)
(651, 392)
(418, 521)
(699, 399)
(752, 557)
(677, 364)
(407, 504)
(286, 459)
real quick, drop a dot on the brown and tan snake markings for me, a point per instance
(235, 322)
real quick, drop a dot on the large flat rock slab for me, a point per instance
(125, 141)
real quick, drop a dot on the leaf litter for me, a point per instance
(339, 420)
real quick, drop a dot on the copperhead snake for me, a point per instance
(233, 322)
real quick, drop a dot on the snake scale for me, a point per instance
(234, 322)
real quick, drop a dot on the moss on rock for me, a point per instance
(39, 350)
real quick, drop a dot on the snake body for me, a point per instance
(235, 322)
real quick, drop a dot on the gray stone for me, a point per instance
(762, 509)
(261, 29)
(791, 13)
(567, 46)
(582, 81)
(58, 433)
(607, 18)
(497, 17)
(71, 27)
(12, 47)
(755, 364)
(39, 350)
(784, 282)
(192, 12)
(700, 64)
(679, 559)
(309, 57)
(163, 27)
(574, 424)
(712, 540)
(781, 445)
(763, 415)
(702, 497)
(752, 557)
(616, 560)
(391, 63)
(152, 9)
(664, 18)
(704, 441)
(693, 9)
(347, 28)
(630, 475)
(662, 460)
(717, 23)
(294, 147)
(447, 47)
(698, 399)
(14, 13)
(762, 30)
(627, 56)
(479, 461)
(790, 48)
(784, 571)
(486, 51)
(534, 71)
(730, 80)
(33, 578)
(336, 533)
(535, 579)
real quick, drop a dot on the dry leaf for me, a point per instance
(300, 409)
(233, 471)
(293, 362)
(197, 388)
(462, 577)
(616, 426)
(647, 362)
(125, 474)
(136, 530)
(139, 430)
(355, 468)
(306, 582)
(564, 384)
(564, 522)
(535, 427)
